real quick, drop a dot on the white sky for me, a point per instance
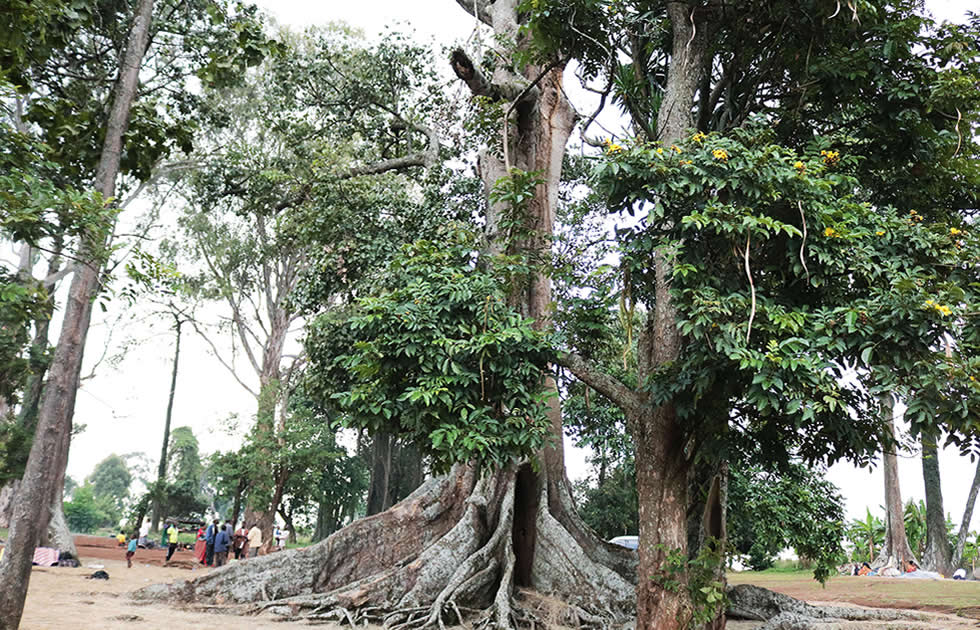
(123, 407)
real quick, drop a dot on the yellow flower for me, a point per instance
(660, 150)
(720, 154)
(954, 231)
(830, 158)
(880, 233)
(831, 233)
(800, 166)
(939, 308)
(686, 162)
(612, 147)
(676, 148)
(698, 137)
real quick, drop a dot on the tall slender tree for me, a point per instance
(44, 475)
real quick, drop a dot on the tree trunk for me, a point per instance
(662, 598)
(58, 536)
(662, 489)
(971, 501)
(936, 556)
(162, 469)
(236, 509)
(379, 488)
(32, 505)
(896, 550)
(7, 494)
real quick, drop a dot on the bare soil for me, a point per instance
(63, 597)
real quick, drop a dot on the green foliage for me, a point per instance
(66, 57)
(867, 535)
(86, 513)
(797, 508)
(439, 357)
(706, 591)
(610, 507)
(772, 318)
(110, 481)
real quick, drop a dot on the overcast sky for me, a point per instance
(123, 406)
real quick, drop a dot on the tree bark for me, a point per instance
(379, 495)
(971, 501)
(937, 554)
(896, 551)
(49, 450)
(662, 467)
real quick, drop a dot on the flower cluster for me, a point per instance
(698, 137)
(720, 154)
(830, 158)
(955, 232)
(939, 308)
(612, 147)
(831, 233)
(915, 217)
(800, 166)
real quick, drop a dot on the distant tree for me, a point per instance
(867, 535)
(86, 513)
(70, 485)
(111, 480)
(610, 506)
(796, 508)
(185, 478)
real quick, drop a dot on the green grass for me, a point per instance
(945, 595)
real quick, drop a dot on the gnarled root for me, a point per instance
(782, 612)
(445, 555)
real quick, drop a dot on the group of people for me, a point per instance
(218, 540)
(214, 543)
(909, 569)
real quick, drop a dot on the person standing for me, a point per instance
(131, 549)
(254, 540)
(200, 546)
(209, 537)
(240, 542)
(172, 532)
(222, 541)
(144, 540)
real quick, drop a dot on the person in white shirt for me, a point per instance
(254, 540)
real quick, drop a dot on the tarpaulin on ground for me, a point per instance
(45, 556)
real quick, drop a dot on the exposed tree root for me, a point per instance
(782, 612)
(446, 555)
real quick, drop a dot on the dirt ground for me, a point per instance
(63, 597)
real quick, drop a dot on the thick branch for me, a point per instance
(603, 383)
(471, 75)
(480, 9)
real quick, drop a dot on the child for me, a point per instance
(131, 549)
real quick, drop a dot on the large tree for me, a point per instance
(765, 262)
(293, 197)
(466, 538)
